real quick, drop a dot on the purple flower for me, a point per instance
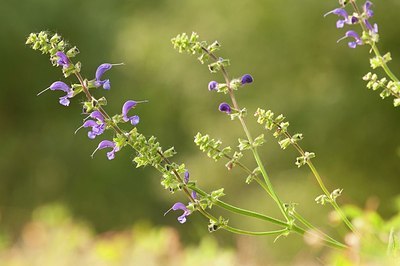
(342, 13)
(180, 206)
(99, 73)
(224, 107)
(367, 9)
(247, 78)
(352, 34)
(372, 29)
(128, 105)
(61, 86)
(62, 59)
(194, 194)
(212, 86)
(186, 177)
(97, 126)
(107, 144)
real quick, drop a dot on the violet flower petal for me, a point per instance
(59, 85)
(224, 107)
(212, 85)
(247, 78)
(102, 69)
(128, 105)
(186, 177)
(97, 115)
(62, 59)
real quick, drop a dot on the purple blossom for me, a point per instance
(212, 86)
(194, 194)
(372, 29)
(61, 86)
(367, 9)
(62, 59)
(342, 13)
(97, 126)
(128, 105)
(180, 206)
(186, 177)
(107, 144)
(247, 78)
(355, 36)
(224, 107)
(99, 73)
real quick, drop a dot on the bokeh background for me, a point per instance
(299, 70)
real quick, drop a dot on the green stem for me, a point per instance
(329, 241)
(237, 210)
(321, 183)
(331, 201)
(383, 63)
(251, 233)
(269, 184)
(256, 156)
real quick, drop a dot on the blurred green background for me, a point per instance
(299, 70)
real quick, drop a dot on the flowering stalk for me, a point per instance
(149, 151)
(280, 128)
(212, 147)
(248, 135)
(369, 36)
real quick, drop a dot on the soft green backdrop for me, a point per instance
(287, 46)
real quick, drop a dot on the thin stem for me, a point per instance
(188, 194)
(320, 182)
(331, 201)
(250, 139)
(263, 217)
(251, 233)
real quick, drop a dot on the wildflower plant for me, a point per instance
(368, 35)
(175, 176)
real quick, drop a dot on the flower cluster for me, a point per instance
(370, 32)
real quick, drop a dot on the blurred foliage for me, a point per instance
(53, 237)
(299, 70)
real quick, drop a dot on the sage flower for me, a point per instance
(107, 144)
(342, 13)
(367, 9)
(224, 107)
(97, 126)
(355, 36)
(61, 86)
(180, 206)
(247, 78)
(186, 177)
(128, 105)
(99, 73)
(62, 59)
(212, 85)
